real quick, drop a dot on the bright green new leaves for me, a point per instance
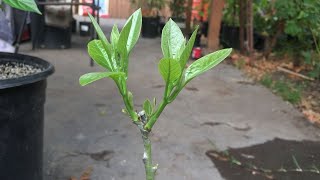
(114, 36)
(134, 29)
(147, 107)
(171, 40)
(181, 49)
(187, 50)
(122, 45)
(101, 35)
(205, 63)
(91, 77)
(114, 57)
(26, 5)
(124, 37)
(170, 70)
(99, 55)
(130, 32)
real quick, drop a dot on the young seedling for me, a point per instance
(114, 55)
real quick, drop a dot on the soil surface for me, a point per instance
(15, 70)
(273, 155)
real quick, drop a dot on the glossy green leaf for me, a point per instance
(171, 40)
(123, 37)
(101, 36)
(115, 36)
(188, 49)
(147, 107)
(26, 5)
(170, 70)
(99, 55)
(91, 77)
(181, 49)
(205, 63)
(134, 30)
(122, 45)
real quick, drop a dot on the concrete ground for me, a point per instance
(84, 126)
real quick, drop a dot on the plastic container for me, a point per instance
(84, 28)
(150, 27)
(196, 53)
(21, 120)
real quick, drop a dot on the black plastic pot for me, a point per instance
(150, 27)
(84, 28)
(21, 120)
(204, 28)
(229, 37)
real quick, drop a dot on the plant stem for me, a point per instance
(122, 86)
(147, 156)
(156, 115)
(131, 112)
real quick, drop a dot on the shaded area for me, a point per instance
(269, 160)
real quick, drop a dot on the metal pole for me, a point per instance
(25, 16)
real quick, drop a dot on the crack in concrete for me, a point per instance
(212, 124)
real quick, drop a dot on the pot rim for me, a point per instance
(31, 60)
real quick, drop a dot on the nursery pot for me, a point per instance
(84, 28)
(21, 119)
(229, 36)
(150, 27)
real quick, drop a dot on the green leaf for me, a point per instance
(26, 5)
(292, 28)
(170, 70)
(91, 77)
(122, 45)
(134, 30)
(115, 36)
(205, 63)
(101, 36)
(147, 107)
(99, 55)
(181, 49)
(171, 40)
(188, 49)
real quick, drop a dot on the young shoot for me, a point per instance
(113, 56)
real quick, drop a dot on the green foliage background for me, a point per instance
(301, 26)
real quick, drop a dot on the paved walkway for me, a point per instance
(85, 127)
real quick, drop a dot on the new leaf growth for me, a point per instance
(113, 56)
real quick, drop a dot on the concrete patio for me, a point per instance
(84, 126)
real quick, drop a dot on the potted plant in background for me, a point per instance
(22, 98)
(150, 15)
(178, 10)
(200, 11)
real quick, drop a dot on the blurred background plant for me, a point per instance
(178, 9)
(287, 27)
(149, 8)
